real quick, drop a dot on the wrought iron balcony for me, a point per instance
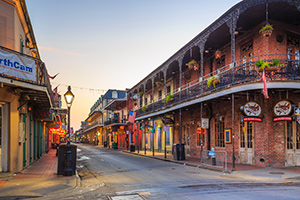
(92, 125)
(239, 73)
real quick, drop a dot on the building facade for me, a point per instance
(234, 87)
(25, 90)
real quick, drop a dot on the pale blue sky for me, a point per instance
(113, 44)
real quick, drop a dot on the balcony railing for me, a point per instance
(115, 121)
(93, 125)
(240, 72)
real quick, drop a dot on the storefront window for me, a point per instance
(0, 126)
(298, 136)
(289, 135)
(242, 135)
(249, 134)
(219, 130)
(200, 136)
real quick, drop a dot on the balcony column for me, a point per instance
(202, 49)
(165, 81)
(144, 95)
(153, 85)
(232, 24)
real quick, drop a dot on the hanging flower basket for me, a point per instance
(213, 81)
(193, 65)
(158, 83)
(141, 93)
(170, 98)
(144, 108)
(266, 31)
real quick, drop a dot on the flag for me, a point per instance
(265, 90)
(131, 117)
(55, 94)
(53, 77)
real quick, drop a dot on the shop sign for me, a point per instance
(120, 131)
(17, 66)
(58, 111)
(205, 123)
(43, 115)
(254, 119)
(297, 110)
(276, 119)
(283, 108)
(251, 109)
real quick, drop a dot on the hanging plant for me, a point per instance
(274, 66)
(213, 81)
(141, 93)
(193, 65)
(144, 108)
(158, 83)
(169, 98)
(266, 31)
(135, 103)
(261, 64)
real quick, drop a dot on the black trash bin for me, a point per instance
(105, 144)
(178, 152)
(132, 148)
(66, 159)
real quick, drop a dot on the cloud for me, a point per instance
(61, 51)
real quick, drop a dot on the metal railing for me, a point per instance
(237, 73)
(220, 159)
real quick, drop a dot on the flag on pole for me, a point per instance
(265, 90)
(131, 117)
(55, 94)
(53, 77)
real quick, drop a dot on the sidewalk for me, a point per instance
(280, 174)
(36, 180)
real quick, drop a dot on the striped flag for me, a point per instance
(265, 90)
(131, 117)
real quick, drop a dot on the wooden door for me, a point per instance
(247, 142)
(292, 129)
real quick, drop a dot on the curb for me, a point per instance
(177, 162)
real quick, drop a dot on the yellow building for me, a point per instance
(25, 90)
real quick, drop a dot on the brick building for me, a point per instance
(211, 91)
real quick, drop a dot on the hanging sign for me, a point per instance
(205, 123)
(276, 119)
(252, 111)
(17, 66)
(283, 108)
(297, 110)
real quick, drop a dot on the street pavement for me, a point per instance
(40, 180)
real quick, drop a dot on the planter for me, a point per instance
(267, 33)
(272, 69)
(171, 99)
(217, 81)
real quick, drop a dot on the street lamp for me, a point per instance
(68, 171)
(69, 97)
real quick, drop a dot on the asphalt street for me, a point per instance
(113, 174)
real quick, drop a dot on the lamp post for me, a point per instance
(68, 171)
(69, 97)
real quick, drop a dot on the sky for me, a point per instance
(96, 45)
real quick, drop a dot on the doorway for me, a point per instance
(247, 142)
(292, 143)
(4, 127)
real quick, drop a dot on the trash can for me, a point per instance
(132, 148)
(66, 159)
(114, 145)
(178, 152)
(105, 144)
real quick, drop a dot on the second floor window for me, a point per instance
(159, 94)
(146, 101)
(168, 89)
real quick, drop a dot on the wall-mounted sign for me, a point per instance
(297, 110)
(283, 108)
(251, 119)
(277, 119)
(17, 66)
(205, 123)
(228, 135)
(251, 109)
(58, 111)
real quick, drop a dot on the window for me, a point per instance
(200, 136)
(249, 134)
(242, 135)
(159, 94)
(0, 125)
(289, 135)
(219, 131)
(114, 95)
(21, 45)
(168, 89)
(146, 101)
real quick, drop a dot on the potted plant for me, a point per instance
(141, 93)
(144, 108)
(266, 31)
(274, 65)
(170, 98)
(213, 81)
(158, 83)
(135, 103)
(193, 65)
(261, 64)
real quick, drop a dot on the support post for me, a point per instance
(233, 157)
